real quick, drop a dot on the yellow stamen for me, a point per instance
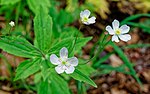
(64, 63)
(85, 19)
(118, 32)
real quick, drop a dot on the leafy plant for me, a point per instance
(38, 55)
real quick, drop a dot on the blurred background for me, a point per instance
(65, 13)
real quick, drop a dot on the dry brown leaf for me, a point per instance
(118, 91)
(115, 60)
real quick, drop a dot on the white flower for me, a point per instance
(84, 15)
(12, 24)
(64, 64)
(118, 32)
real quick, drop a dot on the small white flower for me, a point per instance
(84, 15)
(64, 64)
(12, 24)
(118, 32)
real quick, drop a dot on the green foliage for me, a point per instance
(82, 77)
(18, 46)
(133, 17)
(34, 5)
(86, 69)
(133, 46)
(43, 30)
(61, 18)
(27, 68)
(44, 88)
(58, 84)
(66, 43)
(45, 44)
(102, 59)
(126, 61)
(55, 84)
(143, 25)
(53, 30)
(7, 2)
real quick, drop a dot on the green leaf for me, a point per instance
(65, 17)
(27, 68)
(102, 59)
(121, 68)
(81, 42)
(66, 43)
(18, 46)
(45, 69)
(58, 84)
(34, 5)
(59, 44)
(126, 61)
(44, 88)
(43, 30)
(82, 77)
(136, 46)
(54, 85)
(86, 69)
(133, 17)
(6, 2)
(37, 77)
(140, 25)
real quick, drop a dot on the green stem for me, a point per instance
(100, 49)
(76, 39)
(9, 30)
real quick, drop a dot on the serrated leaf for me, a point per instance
(54, 85)
(7, 2)
(82, 77)
(58, 84)
(34, 5)
(68, 42)
(81, 42)
(18, 46)
(63, 15)
(44, 88)
(27, 68)
(86, 69)
(43, 30)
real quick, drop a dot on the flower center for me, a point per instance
(64, 63)
(118, 32)
(85, 19)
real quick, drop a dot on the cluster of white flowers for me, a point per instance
(114, 30)
(65, 64)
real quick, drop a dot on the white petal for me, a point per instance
(124, 29)
(73, 61)
(115, 24)
(125, 37)
(91, 20)
(60, 69)
(110, 30)
(12, 24)
(115, 38)
(69, 69)
(64, 53)
(54, 59)
(87, 23)
(85, 13)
